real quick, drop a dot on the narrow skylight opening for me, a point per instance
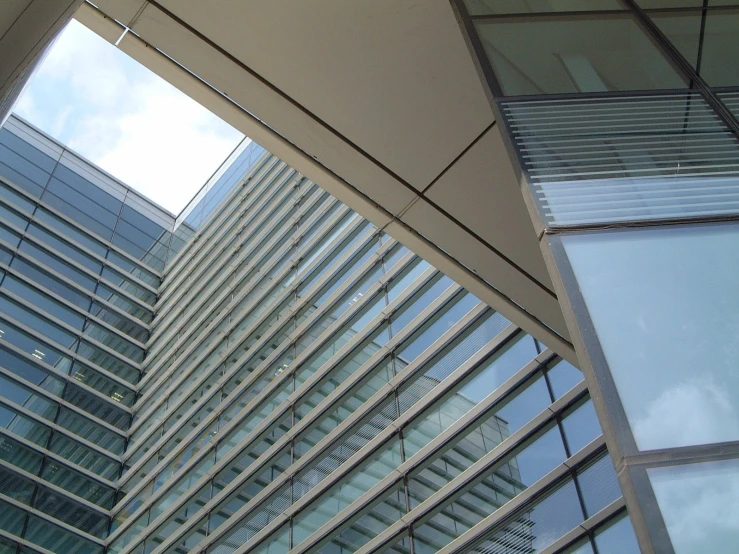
(99, 102)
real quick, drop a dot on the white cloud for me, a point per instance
(94, 98)
(693, 411)
(700, 505)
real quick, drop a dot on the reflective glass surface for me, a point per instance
(669, 294)
(699, 506)
(498, 7)
(709, 42)
(582, 54)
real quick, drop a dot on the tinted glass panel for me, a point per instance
(670, 295)
(587, 54)
(698, 504)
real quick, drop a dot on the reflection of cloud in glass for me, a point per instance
(695, 411)
(700, 505)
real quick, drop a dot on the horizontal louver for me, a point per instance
(626, 159)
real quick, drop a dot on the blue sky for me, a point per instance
(95, 99)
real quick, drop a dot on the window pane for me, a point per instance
(670, 295)
(495, 7)
(587, 54)
(717, 63)
(699, 506)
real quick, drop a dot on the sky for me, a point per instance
(107, 107)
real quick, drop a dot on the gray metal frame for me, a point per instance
(631, 464)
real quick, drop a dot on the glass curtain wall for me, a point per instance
(294, 380)
(622, 117)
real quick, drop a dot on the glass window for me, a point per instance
(664, 305)
(562, 377)
(17, 200)
(21, 172)
(581, 427)
(716, 59)
(39, 324)
(598, 485)
(63, 268)
(77, 236)
(539, 526)
(79, 212)
(584, 54)
(88, 190)
(59, 246)
(699, 505)
(500, 7)
(57, 539)
(43, 302)
(32, 154)
(617, 538)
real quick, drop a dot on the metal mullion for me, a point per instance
(562, 223)
(57, 458)
(183, 378)
(316, 414)
(666, 202)
(330, 400)
(69, 261)
(68, 328)
(78, 227)
(310, 383)
(573, 115)
(46, 517)
(79, 288)
(546, 484)
(574, 112)
(438, 444)
(219, 291)
(258, 373)
(594, 138)
(34, 548)
(202, 290)
(542, 103)
(546, 16)
(61, 402)
(430, 399)
(254, 303)
(86, 314)
(683, 66)
(105, 243)
(246, 288)
(586, 528)
(699, 125)
(576, 175)
(66, 377)
(56, 488)
(222, 212)
(68, 353)
(59, 429)
(468, 478)
(227, 245)
(204, 236)
(268, 193)
(608, 155)
(269, 251)
(226, 209)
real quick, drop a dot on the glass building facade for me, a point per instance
(621, 117)
(269, 373)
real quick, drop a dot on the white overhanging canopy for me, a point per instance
(376, 101)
